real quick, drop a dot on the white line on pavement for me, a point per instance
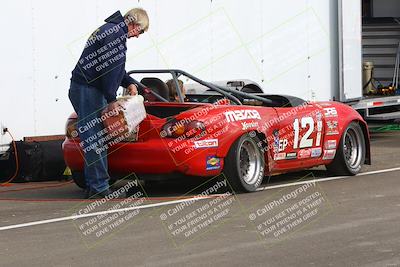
(319, 180)
(74, 217)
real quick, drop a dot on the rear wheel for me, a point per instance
(79, 179)
(350, 154)
(244, 164)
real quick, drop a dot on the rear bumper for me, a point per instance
(155, 156)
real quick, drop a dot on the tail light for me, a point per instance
(70, 128)
(188, 129)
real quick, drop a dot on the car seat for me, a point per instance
(157, 86)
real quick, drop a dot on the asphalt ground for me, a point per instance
(298, 219)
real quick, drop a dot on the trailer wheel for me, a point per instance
(244, 164)
(350, 154)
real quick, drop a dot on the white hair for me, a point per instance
(138, 16)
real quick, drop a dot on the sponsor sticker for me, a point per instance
(330, 144)
(249, 125)
(206, 143)
(276, 141)
(329, 154)
(280, 156)
(212, 163)
(239, 115)
(332, 127)
(291, 155)
(283, 144)
(330, 112)
(304, 153)
(316, 152)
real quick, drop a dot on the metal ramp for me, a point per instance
(379, 43)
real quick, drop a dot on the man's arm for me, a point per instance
(129, 83)
(127, 80)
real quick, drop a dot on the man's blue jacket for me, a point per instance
(102, 63)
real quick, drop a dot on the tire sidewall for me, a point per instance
(254, 140)
(79, 179)
(356, 127)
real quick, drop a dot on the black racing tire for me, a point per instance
(350, 154)
(244, 165)
(79, 179)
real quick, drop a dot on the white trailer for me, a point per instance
(377, 36)
(310, 49)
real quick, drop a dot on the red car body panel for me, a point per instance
(289, 144)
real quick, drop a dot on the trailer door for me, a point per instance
(350, 50)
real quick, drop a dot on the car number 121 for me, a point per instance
(306, 141)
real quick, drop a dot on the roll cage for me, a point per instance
(176, 73)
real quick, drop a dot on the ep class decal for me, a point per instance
(239, 115)
(308, 124)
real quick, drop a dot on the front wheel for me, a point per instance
(350, 154)
(244, 164)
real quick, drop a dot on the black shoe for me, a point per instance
(87, 194)
(106, 194)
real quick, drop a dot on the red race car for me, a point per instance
(205, 129)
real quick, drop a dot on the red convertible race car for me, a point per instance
(205, 129)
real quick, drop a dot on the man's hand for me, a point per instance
(132, 90)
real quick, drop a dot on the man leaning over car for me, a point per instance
(95, 80)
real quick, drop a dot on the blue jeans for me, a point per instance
(88, 103)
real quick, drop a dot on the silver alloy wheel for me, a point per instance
(352, 148)
(249, 162)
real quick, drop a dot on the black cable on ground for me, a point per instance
(7, 183)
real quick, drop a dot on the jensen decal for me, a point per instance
(249, 125)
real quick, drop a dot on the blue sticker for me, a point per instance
(212, 163)
(276, 141)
